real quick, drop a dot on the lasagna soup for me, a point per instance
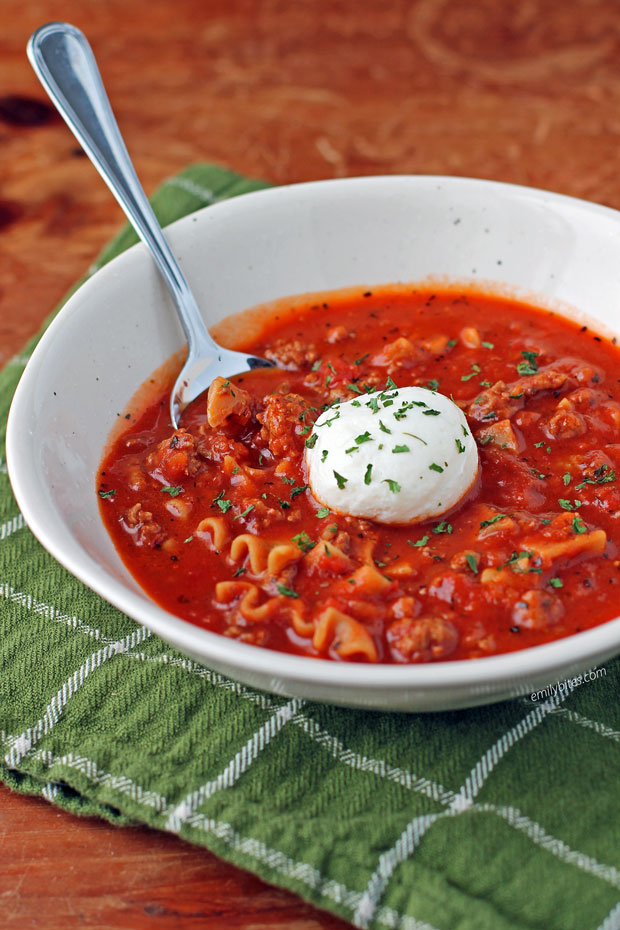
(424, 476)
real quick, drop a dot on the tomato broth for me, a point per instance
(217, 522)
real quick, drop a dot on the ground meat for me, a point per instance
(144, 529)
(263, 515)
(537, 610)
(495, 403)
(566, 422)
(175, 457)
(401, 352)
(214, 446)
(503, 400)
(424, 639)
(550, 379)
(340, 394)
(585, 398)
(405, 606)
(284, 423)
(595, 465)
(292, 354)
(581, 372)
(500, 434)
(342, 539)
(225, 400)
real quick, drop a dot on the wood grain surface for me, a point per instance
(525, 91)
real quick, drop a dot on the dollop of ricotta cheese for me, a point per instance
(401, 455)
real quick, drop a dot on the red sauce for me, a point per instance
(529, 557)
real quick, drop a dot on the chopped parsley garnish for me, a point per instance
(530, 365)
(245, 512)
(495, 519)
(514, 561)
(433, 384)
(472, 561)
(222, 504)
(431, 413)
(368, 474)
(340, 480)
(443, 527)
(323, 512)
(172, 491)
(420, 542)
(602, 475)
(413, 436)
(331, 419)
(363, 437)
(392, 485)
(435, 467)
(287, 592)
(324, 455)
(310, 442)
(459, 445)
(303, 541)
(299, 490)
(487, 345)
(566, 478)
(383, 427)
(578, 525)
(566, 504)
(556, 583)
(358, 361)
(238, 571)
(104, 494)
(475, 370)
(401, 449)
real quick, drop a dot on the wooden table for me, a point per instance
(526, 92)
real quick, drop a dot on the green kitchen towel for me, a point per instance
(499, 818)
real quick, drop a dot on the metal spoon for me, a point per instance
(64, 63)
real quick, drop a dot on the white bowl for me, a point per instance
(120, 326)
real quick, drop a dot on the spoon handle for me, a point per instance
(65, 64)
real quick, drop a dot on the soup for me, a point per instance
(223, 524)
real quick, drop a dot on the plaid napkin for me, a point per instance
(499, 818)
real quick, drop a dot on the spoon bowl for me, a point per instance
(65, 64)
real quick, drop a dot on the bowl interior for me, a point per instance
(120, 327)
